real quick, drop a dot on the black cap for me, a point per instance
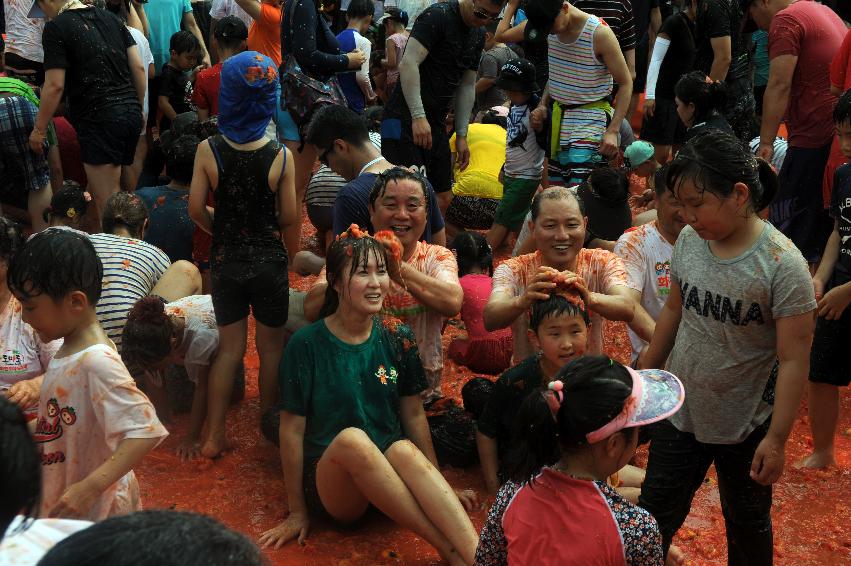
(231, 28)
(609, 216)
(517, 75)
(540, 14)
(394, 13)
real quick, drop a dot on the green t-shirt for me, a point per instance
(335, 385)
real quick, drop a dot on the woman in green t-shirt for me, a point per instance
(353, 430)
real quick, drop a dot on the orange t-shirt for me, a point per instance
(264, 36)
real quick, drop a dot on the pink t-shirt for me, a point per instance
(813, 33)
(22, 353)
(88, 405)
(601, 270)
(477, 290)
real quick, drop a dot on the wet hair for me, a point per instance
(660, 180)
(69, 202)
(341, 251)
(20, 467)
(472, 250)
(147, 334)
(11, 239)
(125, 209)
(335, 122)
(180, 158)
(556, 193)
(184, 42)
(707, 97)
(595, 391)
(556, 305)
(56, 262)
(715, 161)
(373, 116)
(360, 9)
(608, 183)
(842, 110)
(155, 538)
(475, 395)
(397, 174)
(492, 117)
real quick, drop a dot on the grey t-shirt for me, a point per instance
(726, 344)
(489, 66)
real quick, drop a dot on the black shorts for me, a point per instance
(471, 213)
(828, 362)
(311, 492)
(110, 139)
(240, 285)
(665, 126)
(397, 146)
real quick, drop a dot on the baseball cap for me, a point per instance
(637, 153)
(517, 75)
(36, 13)
(540, 16)
(394, 13)
(656, 395)
(608, 212)
(231, 27)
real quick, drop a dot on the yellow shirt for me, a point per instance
(487, 156)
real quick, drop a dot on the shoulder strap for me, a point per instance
(214, 146)
(284, 164)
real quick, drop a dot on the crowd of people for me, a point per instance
(155, 163)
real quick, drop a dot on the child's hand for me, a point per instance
(833, 304)
(76, 502)
(537, 118)
(188, 449)
(468, 498)
(768, 461)
(24, 393)
(295, 525)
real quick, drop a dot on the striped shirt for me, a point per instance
(576, 75)
(325, 184)
(131, 268)
(618, 15)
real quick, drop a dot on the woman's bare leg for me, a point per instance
(104, 181)
(270, 347)
(304, 162)
(232, 339)
(37, 201)
(130, 173)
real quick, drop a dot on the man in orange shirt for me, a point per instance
(264, 35)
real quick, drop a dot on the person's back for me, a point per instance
(164, 17)
(170, 228)
(489, 66)
(487, 155)
(576, 75)
(23, 34)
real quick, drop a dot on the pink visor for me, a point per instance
(656, 395)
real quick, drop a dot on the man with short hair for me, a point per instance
(810, 34)
(495, 55)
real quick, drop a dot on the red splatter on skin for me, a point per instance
(391, 242)
(161, 201)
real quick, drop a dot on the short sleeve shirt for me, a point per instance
(720, 18)
(88, 405)
(23, 34)
(840, 73)
(679, 58)
(222, 8)
(22, 353)
(264, 35)
(487, 156)
(489, 66)
(601, 269)
(200, 340)
(164, 18)
(840, 210)
(726, 345)
(618, 15)
(336, 385)
(205, 94)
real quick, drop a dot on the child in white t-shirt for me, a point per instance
(93, 425)
(182, 332)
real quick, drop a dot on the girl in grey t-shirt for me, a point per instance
(737, 326)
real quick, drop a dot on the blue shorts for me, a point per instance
(286, 128)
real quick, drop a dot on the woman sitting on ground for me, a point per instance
(353, 431)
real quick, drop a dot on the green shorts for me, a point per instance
(516, 197)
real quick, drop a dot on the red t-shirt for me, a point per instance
(840, 72)
(206, 92)
(813, 33)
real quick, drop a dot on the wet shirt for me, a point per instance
(453, 48)
(264, 35)
(726, 344)
(176, 86)
(679, 59)
(169, 226)
(22, 353)
(336, 385)
(200, 340)
(311, 40)
(205, 93)
(840, 210)
(720, 18)
(618, 15)
(88, 405)
(91, 45)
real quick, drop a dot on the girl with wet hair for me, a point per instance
(182, 332)
(739, 319)
(700, 104)
(571, 437)
(68, 206)
(353, 430)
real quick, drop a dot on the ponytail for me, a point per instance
(770, 184)
(708, 96)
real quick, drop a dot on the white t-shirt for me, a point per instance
(88, 405)
(364, 45)
(23, 35)
(525, 161)
(22, 353)
(200, 335)
(647, 258)
(222, 8)
(144, 50)
(27, 547)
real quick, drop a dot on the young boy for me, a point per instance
(93, 424)
(357, 85)
(524, 158)
(558, 330)
(829, 369)
(230, 34)
(175, 92)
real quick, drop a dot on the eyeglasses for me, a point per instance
(323, 159)
(484, 14)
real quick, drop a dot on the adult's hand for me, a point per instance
(768, 461)
(609, 145)
(765, 151)
(422, 132)
(356, 59)
(538, 118)
(25, 393)
(295, 526)
(649, 107)
(462, 152)
(37, 141)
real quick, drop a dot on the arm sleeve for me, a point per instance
(303, 40)
(465, 98)
(839, 65)
(412, 378)
(785, 37)
(55, 56)
(295, 376)
(364, 45)
(631, 253)
(660, 48)
(415, 53)
(493, 547)
(442, 265)
(792, 290)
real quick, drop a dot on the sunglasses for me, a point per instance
(484, 14)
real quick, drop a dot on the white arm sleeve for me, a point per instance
(660, 48)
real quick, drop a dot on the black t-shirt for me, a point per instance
(641, 10)
(453, 48)
(840, 209)
(509, 391)
(679, 59)
(720, 18)
(91, 45)
(618, 16)
(175, 85)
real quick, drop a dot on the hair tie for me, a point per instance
(71, 213)
(87, 196)
(555, 396)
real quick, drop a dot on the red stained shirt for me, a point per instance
(206, 92)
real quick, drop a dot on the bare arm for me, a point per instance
(776, 99)
(313, 301)
(409, 76)
(166, 107)
(134, 21)
(389, 61)
(642, 323)
(629, 57)
(286, 199)
(504, 32)
(138, 74)
(441, 296)
(615, 305)
(203, 114)
(666, 330)
(484, 84)
(488, 449)
(439, 237)
(188, 22)
(51, 94)
(251, 7)
(200, 188)
(607, 48)
(143, 17)
(723, 51)
(415, 426)
(828, 261)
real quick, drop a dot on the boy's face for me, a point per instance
(843, 132)
(184, 61)
(517, 98)
(52, 319)
(560, 338)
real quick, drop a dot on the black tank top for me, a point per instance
(245, 227)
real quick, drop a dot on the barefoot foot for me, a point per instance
(817, 460)
(215, 444)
